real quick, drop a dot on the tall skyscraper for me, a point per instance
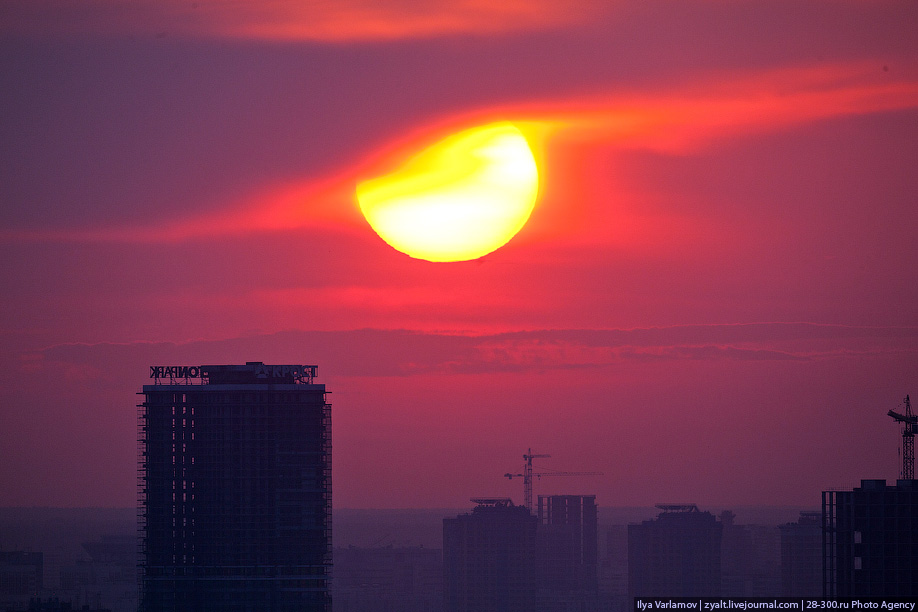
(489, 558)
(870, 540)
(676, 554)
(235, 489)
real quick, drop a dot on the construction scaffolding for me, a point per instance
(234, 489)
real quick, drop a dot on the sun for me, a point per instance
(457, 200)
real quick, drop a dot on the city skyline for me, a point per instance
(712, 301)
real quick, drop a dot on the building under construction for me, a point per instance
(870, 534)
(870, 540)
(235, 489)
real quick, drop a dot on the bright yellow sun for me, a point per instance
(459, 199)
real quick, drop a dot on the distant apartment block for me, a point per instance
(489, 558)
(801, 556)
(567, 554)
(871, 540)
(750, 559)
(676, 554)
(613, 566)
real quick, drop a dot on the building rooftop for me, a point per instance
(252, 373)
(678, 507)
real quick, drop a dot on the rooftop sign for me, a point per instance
(251, 372)
(173, 372)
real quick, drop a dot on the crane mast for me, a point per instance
(908, 439)
(528, 474)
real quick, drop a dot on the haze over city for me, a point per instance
(712, 302)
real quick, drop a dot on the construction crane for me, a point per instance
(528, 474)
(908, 439)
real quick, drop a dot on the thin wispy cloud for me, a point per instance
(413, 353)
(682, 120)
(716, 108)
(344, 21)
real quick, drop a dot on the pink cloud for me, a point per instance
(279, 207)
(377, 298)
(716, 108)
(282, 20)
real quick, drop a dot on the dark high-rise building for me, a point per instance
(489, 558)
(676, 554)
(870, 540)
(235, 489)
(567, 551)
(801, 556)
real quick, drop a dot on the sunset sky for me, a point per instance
(715, 300)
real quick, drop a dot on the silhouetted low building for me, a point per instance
(801, 556)
(489, 558)
(871, 540)
(106, 576)
(676, 554)
(21, 578)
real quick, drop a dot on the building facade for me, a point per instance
(567, 553)
(750, 559)
(489, 558)
(801, 556)
(677, 554)
(870, 540)
(235, 489)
